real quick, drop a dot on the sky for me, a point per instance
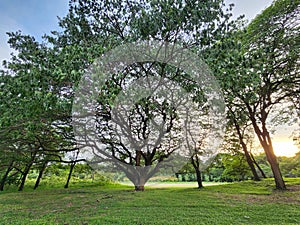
(34, 17)
(37, 17)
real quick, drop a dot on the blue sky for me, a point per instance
(37, 17)
(34, 17)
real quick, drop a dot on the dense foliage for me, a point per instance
(257, 66)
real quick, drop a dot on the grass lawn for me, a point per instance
(238, 203)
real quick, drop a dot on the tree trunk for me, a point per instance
(272, 159)
(245, 150)
(139, 184)
(70, 174)
(3, 180)
(139, 187)
(138, 158)
(140, 179)
(199, 178)
(42, 169)
(258, 166)
(266, 143)
(251, 165)
(27, 169)
(249, 161)
(196, 165)
(23, 179)
(71, 169)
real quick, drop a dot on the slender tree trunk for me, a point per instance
(196, 165)
(42, 169)
(26, 171)
(258, 166)
(199, 178)
(266, 143)
(70, 174)
(251, 165)
(24, 176)
(4, 178)
(71, 169)
(245, 150)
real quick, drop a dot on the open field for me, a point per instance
(238, 203)
(175, 184)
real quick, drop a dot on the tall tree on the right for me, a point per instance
(259, 71)
(272, 53)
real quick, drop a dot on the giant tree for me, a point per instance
(102, 25)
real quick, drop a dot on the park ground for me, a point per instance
(93, 203)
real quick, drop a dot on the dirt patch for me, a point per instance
(292, 196)
(294, 188)
(187, 184)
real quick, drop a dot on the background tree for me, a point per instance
(199, 139)
(35, 105)
(272, 44)
(262, 70)
(238, 120)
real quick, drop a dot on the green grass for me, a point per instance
(239, 203)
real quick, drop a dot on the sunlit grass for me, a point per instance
(238, 203)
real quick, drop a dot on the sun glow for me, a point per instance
(285, 148)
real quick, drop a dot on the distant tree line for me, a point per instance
(233, 167)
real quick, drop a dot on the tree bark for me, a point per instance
(251, 165)
(245, 150)
(138, 158)
(272, 159)
(139, 187)
(258, 166)
(140, 183)
(196, 165)
(199, 178)
(26, 171)
(42, 169)
(24, 176)
(244, 146)
(266, 143)
(4, 178)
